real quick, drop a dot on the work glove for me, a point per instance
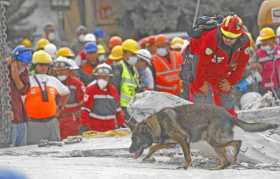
(242, 86)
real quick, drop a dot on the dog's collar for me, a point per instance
(155, 129)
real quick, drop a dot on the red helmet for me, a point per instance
(232, 27)
(114, 41)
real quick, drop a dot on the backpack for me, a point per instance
(204, 24)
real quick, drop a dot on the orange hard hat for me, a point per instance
(143, 42)
(114, 41)
(161, 40)
(232, 27)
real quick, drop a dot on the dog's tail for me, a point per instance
(254, 127)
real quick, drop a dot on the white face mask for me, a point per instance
(62, 77)
(132, 60)
(162, 52)
(101, 58)
(102, 83)
(81, 38)
(267, 48)
(52, 36)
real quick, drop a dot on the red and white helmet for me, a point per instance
(232, 27)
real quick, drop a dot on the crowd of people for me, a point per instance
(60, 91)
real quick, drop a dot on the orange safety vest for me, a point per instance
(36, 108)
(167, 72)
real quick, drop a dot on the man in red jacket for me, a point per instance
(101, 110)
(69, 117)
(222, 57)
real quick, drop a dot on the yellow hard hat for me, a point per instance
(100, 49)
(41, 44)
(130, 45)
(27, 43)
(116, 53)
(267, 33)
(177, 42)
(65, 52)
(41, 57)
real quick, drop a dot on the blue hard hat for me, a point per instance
(10, 174)
(23, 54)
(90, 47)
(99, 33)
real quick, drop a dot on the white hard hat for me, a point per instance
(66, 63)
(249, 98)
(103, 69)
(278, 31)
(89, 38)
(51, 50)
(145, 55)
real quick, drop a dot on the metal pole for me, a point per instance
(6, 114)
(196, 12)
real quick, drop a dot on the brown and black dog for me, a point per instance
(191, 123)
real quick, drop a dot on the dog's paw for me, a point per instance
(149, 160)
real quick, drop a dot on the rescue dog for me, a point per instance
(191, 123)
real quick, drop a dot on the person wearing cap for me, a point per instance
(268, 56)
(78, 43)
(126, 75)
(41, 104)
(101, 54)
(101, 110)
(223, 54)
(116, 56)
(64, 69)
(177, 43)
(143, 66)
(167, 67)
(82, 56)
(19, 85)
(86, 70)
(51, 50)
(114, 41)
(100, 35)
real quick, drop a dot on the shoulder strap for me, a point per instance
(43, 92)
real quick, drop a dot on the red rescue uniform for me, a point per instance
(101, 110)
(217, 62)
(69, 119)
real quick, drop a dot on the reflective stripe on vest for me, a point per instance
(167, 87)
(109, 117)
(128, 85)
(170, 73)
(105, 107)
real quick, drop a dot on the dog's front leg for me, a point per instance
(181, 139)
(155, 148)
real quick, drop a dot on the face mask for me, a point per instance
(101, 58)
(162, 52)
(102, 83)
(51, 36)
(81, 38)
(132, 60)
(62, 77)
(267, 48)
